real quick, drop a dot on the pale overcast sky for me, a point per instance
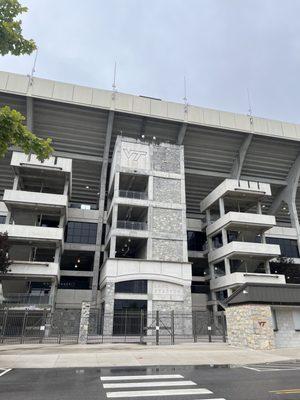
(221, 46)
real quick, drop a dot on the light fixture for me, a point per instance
(275, 272)
(245, 291)
(143, 136)
(87, 187)
(75, 266)
(263, 206)
(78, 260)
(154, 137)
(284, 208)
(129, 240)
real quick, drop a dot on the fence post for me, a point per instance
(157, 328)
(125, 327)
(194, 322)
(24, 325)
(141, 326)
(84, 322)
(223, 327)
(172, 327)
(209, 327)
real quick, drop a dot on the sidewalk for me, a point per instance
(118, 355)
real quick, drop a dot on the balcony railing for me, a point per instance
(27, 298)
(139, 226)
(131, 194)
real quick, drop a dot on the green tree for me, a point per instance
(13, 132)
(11, 38)
(4, 257)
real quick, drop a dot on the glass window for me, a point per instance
(77, 260)
(81, 232)
(296, 318)
(196, 241)
(138, 286)
(200, 287)
(74, 282)
(2, 219)
(288, 247)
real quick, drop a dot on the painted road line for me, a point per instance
(147, 384)
(4, 371)
(286, 391)
(149, 393)
(138, 377)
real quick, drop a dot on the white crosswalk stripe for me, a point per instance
(147, 384)
(139, 377)
(149, 393)
(154, 386)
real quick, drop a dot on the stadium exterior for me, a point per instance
(145, 204)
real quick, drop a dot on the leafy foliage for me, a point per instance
(11, 38)
(14, 133)
(4, 258)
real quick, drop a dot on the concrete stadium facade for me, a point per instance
(145, 204)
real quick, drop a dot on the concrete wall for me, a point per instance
(286, 335)
(250, 325)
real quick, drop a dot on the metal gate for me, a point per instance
(38, 326)
(155, 328)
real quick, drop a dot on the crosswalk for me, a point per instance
(140, 386)
(274, 366)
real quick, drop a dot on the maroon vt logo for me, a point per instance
(262, 323)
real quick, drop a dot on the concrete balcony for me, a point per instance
(244, 250)
(236, 189)
(45, 202)
(33, 234)
(34, 269)
(20, 160)
(236, 221)
(239, 278)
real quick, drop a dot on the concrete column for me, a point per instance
(16, 182)
(109, 308)
(84, 322)
(227, 266)
(221, 206)
(52, 294)
(101, 204)
(112, 250)
(224, 237)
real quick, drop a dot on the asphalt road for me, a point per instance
(192, 382)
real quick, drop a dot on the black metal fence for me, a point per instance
(63, 325)
(157, 328)
(39, 326)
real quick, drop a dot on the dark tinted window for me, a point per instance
(2, 219)
(77, 260)
(200, 287)
(81, 232)
(74, 282)
(139, 286)
(196, 240)
(288, 247)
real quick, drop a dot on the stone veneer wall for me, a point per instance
(167, 250)
(286, 335)
(167, 221)
(166, 159)
(250, 325)
(166, 190)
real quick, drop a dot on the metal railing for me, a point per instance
(27, 298)
(139, 226)
(131, 194)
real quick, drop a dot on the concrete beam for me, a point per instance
(181, 133)
(103, 178)
(240, 158)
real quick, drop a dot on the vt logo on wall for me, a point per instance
(134, 155)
